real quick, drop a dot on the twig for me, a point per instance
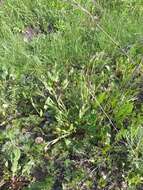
(104, 112)
(2, 183)
(55, 141)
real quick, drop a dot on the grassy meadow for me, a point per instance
(71, 94)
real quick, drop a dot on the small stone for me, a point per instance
(39, 140)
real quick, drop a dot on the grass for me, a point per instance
(71, 95)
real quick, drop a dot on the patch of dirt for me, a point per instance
(30, 32)
(34, 31)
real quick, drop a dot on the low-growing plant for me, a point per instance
(71, 95)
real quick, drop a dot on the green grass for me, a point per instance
(76, 83)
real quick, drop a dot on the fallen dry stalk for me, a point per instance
(55, 141)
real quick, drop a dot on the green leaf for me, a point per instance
(14, 160)
(124, 110)
(100, 99)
